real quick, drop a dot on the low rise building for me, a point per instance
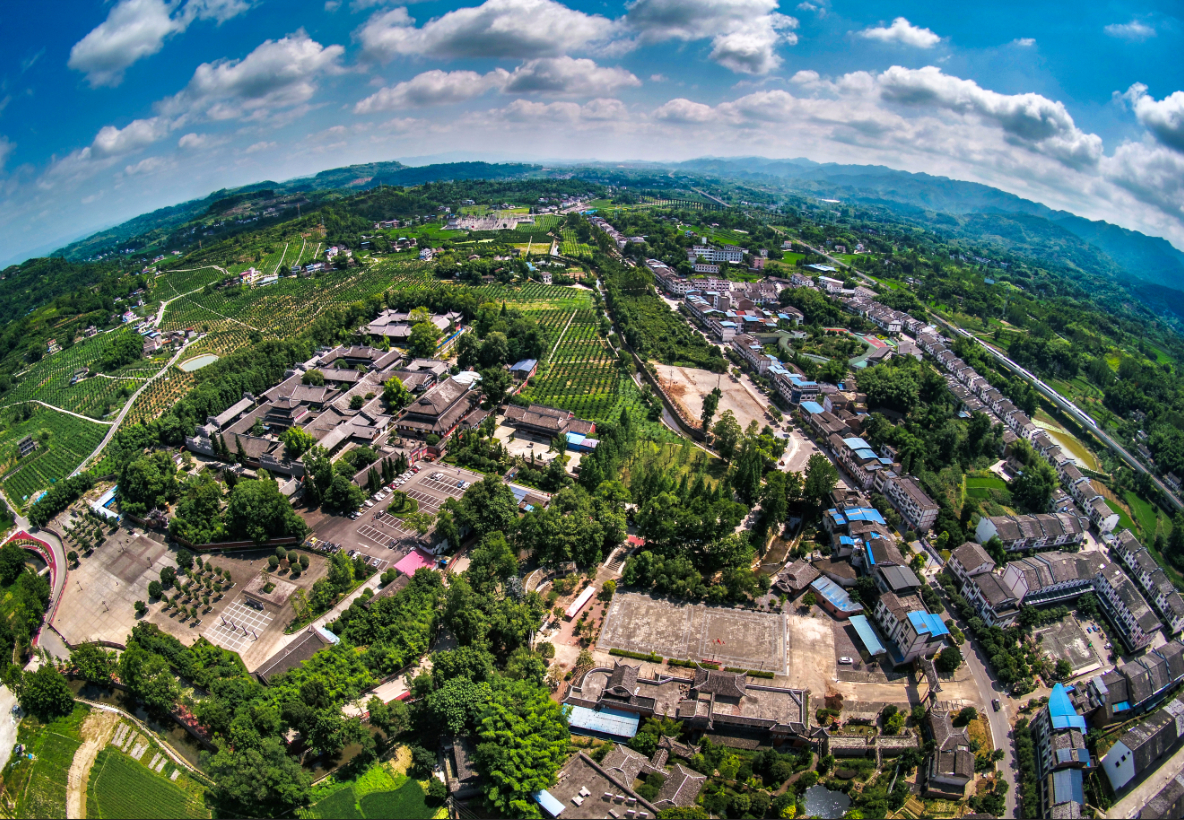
(969, 560)
(1143, 746)
(1156, 585)
(1126, 609)
(1030, 532)
(912, 630)
(1058, 732)
(951, 766)
(914, 504)
(995, 603)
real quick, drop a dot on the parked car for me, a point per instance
(845, 659)
(460, 484)
(995, 704)
(253, 604)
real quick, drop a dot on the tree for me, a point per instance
(257, 510)
(524, 737)
(965, 715)
(492, 563)
(1033, 488)
(948, 660)
(809, 599)
(12, 563)
(313, 377)
(496, 383)
(140, 608)
(1063, 669)
(395, 394)
(45, 693)
(423, 339)
(727, 433)
(92, 662)
(72, 557)
(821, 478)
(257, 781)
(297, 442)
(710, 405)
(342, 495)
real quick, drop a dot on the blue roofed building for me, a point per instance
(524, 369)
(867, 635)
(913, 632)
(613, 723)
(834, 599)
(858, 458)
(1059, 730)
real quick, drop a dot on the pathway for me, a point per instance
(127, 407)
(59, 409)
(55, 546)
(282, 255)
(564, 333)
(96, 731)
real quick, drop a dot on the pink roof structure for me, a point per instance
(414, 560)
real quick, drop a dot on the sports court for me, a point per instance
(237, 626)
(733, 637)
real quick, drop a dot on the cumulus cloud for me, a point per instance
(258, 146)
(902, 32)
(1031, 120)
(515, 29)
(554, 76)
(1133, 31)
(599, 111)
(432, 88)
(135, 29)
(1152, 174)
(277, 74)
(744, 34)
(1164, 119)
(568, 77)
(1024, 42)
(683, 110)
(137, 134)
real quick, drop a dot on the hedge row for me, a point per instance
(754, 673)
(640, 656)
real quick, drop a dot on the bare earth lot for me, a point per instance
(639, 623)
(1066, 639)
(689, 385)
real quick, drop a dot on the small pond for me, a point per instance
(822, 802)
(198, 362)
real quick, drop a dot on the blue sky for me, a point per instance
(111, 109)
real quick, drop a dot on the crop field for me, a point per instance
(119, 787)
(572, 246)
(63, 441)
(160, 395)
(45, 795)
(174, 283)
(534, 296)
(583, 376)
(399, 797)
(49, 379)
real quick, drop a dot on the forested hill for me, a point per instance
(1133, 254)
(168, 225)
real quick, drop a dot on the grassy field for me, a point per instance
(38, 787)
(378, 793)
(119, 787)
(1124, 520)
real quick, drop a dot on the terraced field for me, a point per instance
(63, 441)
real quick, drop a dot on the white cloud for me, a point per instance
(567, 76)
(751, 48)
(555, 76)
(744, 34)
(515, 29)
(432, 88)
(7, 146)
(258, 146)
(658, 78)
(135, 29)
(1152, 174)
(599, 111)
(1164, 119)
(1032, 120)
(277, 74)
(1024, 42)
(683, 110)
(148, 165)
(903, 32)
(137, 134)
(1134, 31)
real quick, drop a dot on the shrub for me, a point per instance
(640, 656)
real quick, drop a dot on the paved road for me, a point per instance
(59, 409)
(989, 689)
(55, 546)
(128, 406)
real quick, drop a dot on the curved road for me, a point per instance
(55, 547)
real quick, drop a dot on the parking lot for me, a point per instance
(382, 537)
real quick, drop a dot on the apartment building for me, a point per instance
(915, 506)
(969, 560)
(912, 630)
(1147, 573)
(1128, 611)
(1030, 532)
(1061, 757)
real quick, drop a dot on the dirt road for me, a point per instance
(96, 732)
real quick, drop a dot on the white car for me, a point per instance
(845, 659)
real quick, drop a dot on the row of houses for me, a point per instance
(1050, 578)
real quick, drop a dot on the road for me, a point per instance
(988, 690)
(128, 406)
(59, 409)
(55, 546)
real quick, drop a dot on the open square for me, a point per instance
(237, 626)
(1066, 639)
(737, 638)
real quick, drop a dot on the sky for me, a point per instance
(110, 109)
